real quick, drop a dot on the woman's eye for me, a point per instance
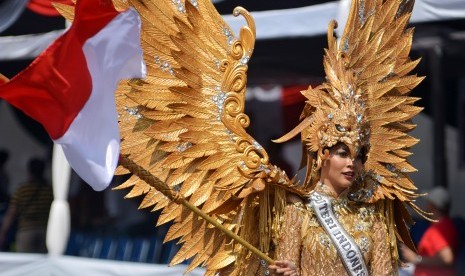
(343, 154)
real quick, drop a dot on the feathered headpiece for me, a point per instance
(364, 103)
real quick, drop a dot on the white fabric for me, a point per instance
(268, 94)
(59, 221)
(10, 10)
(26, 46)
(305, 21)
(16, 264)
(434, 10)
(91, 144)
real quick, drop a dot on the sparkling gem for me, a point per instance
(263, 262)
(390, 167)
(184, 146)
(219, 100)
(340, 128)
(194, 3)
(351, 90)
(264, 168)
(330, 116)
(164, 65)
(245, 60)
(361, 12)
(324, 240)
(345, 47)
(364, 244)
(359, 118)
(133, 111)
(257, 145)
(228, 35)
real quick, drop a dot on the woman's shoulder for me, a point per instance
(295, 203)
(293, 199)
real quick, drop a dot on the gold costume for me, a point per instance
(304, 242)
(184, 138)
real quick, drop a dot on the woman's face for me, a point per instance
(340, 169)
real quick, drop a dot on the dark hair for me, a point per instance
(3, 157)
(36, 167)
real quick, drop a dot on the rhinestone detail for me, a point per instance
(361, 12)
(324, 240)
(364, 244)
(133, 111)
(194, 3)
(184, 146)
(340, 128)
(164, 65)
(219, 102)
(345, 47)
(245, 60)
(179, 6)
(229, 35)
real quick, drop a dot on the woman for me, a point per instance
(305, 248)
(354, 130)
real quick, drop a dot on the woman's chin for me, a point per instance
(345, 183)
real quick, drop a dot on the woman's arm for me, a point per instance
(381, 261)
(289, 243)
(445, 257)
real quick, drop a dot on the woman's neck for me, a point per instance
(337, 191)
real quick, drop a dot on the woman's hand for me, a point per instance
(408, 255)
(283, 268)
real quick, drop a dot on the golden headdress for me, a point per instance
(364, 103)
(183, 127)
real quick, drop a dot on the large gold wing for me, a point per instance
(366, 98)
(185, 125)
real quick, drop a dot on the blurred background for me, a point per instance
(291, 36)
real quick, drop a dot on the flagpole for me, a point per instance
(178, 198)
(59, 224)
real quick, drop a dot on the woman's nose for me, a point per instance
(350, 162)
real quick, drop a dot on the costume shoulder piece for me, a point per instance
(365, 104)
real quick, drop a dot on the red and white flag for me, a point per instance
(69, 88)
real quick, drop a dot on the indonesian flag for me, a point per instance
(69, 88)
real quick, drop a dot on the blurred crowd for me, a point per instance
(24, 210)
(440, 243)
